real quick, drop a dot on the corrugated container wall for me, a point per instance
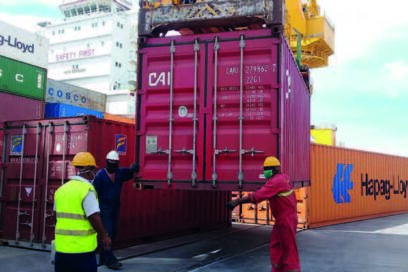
(350, 185)
(38, 155)
(22, 79)
(211, 107)
(59, 110)
(13, 107)
(61, 92)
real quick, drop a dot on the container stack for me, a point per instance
(23, 75)
(66, 100)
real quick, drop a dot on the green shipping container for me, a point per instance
(22, 79)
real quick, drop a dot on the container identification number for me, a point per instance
(249, 69)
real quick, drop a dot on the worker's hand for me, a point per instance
(232, 204)
(134, 167)
(106, 242)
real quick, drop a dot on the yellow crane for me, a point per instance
(309, 33)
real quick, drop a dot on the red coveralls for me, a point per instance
(283, 247)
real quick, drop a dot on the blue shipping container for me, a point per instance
(59, 110)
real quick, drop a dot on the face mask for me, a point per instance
(93, 174)
(268, 174)
(112, 167)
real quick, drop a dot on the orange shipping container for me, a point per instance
(346, 185)
(119, 118)
(350, 185)
(260, 213)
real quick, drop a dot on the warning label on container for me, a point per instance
(16, 145)
(121, 144)
(151, 144)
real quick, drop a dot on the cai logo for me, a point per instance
(16, 145)
(342, 183)
(121, 144)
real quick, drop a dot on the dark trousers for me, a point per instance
(106, 256)
(80, 262)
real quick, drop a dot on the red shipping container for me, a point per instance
(211, 107)
(38, 155)
(13, 107)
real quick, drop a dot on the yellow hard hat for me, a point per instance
(271, 162)
(83, 159)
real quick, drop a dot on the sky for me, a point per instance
(363, 91)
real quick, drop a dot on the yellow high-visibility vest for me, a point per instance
(73, 232)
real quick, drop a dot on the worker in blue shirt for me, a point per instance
(108, 184)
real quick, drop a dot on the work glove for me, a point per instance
(232, 204)
(134, 167)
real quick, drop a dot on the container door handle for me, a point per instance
(251, 151)
(161, 151)
(225, 150)
(185, 151)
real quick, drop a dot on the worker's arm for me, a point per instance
(91, 209)
(97, 225)
(127, 174)
(232, 204)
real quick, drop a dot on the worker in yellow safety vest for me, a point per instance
(78, 221)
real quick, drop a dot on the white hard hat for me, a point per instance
(112, 155)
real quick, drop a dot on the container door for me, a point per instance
(21, 181)
(62, 141)
(245, 111)
(172, 115)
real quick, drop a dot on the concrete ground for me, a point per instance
(370, 245)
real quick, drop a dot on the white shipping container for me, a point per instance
(121, 102)
(61, 92)
(22, 45)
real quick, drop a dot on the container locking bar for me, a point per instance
(185, 151)
(241, 118)
(34, 200)
(51, 129)
(64, 151)
(24, 132)
(169, 173)
(214, 174)
(195, 119)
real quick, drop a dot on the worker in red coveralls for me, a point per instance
(282, 199)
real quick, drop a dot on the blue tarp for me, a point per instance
(57, 110)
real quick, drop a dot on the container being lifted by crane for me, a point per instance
(217, 99)
(309, 33)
